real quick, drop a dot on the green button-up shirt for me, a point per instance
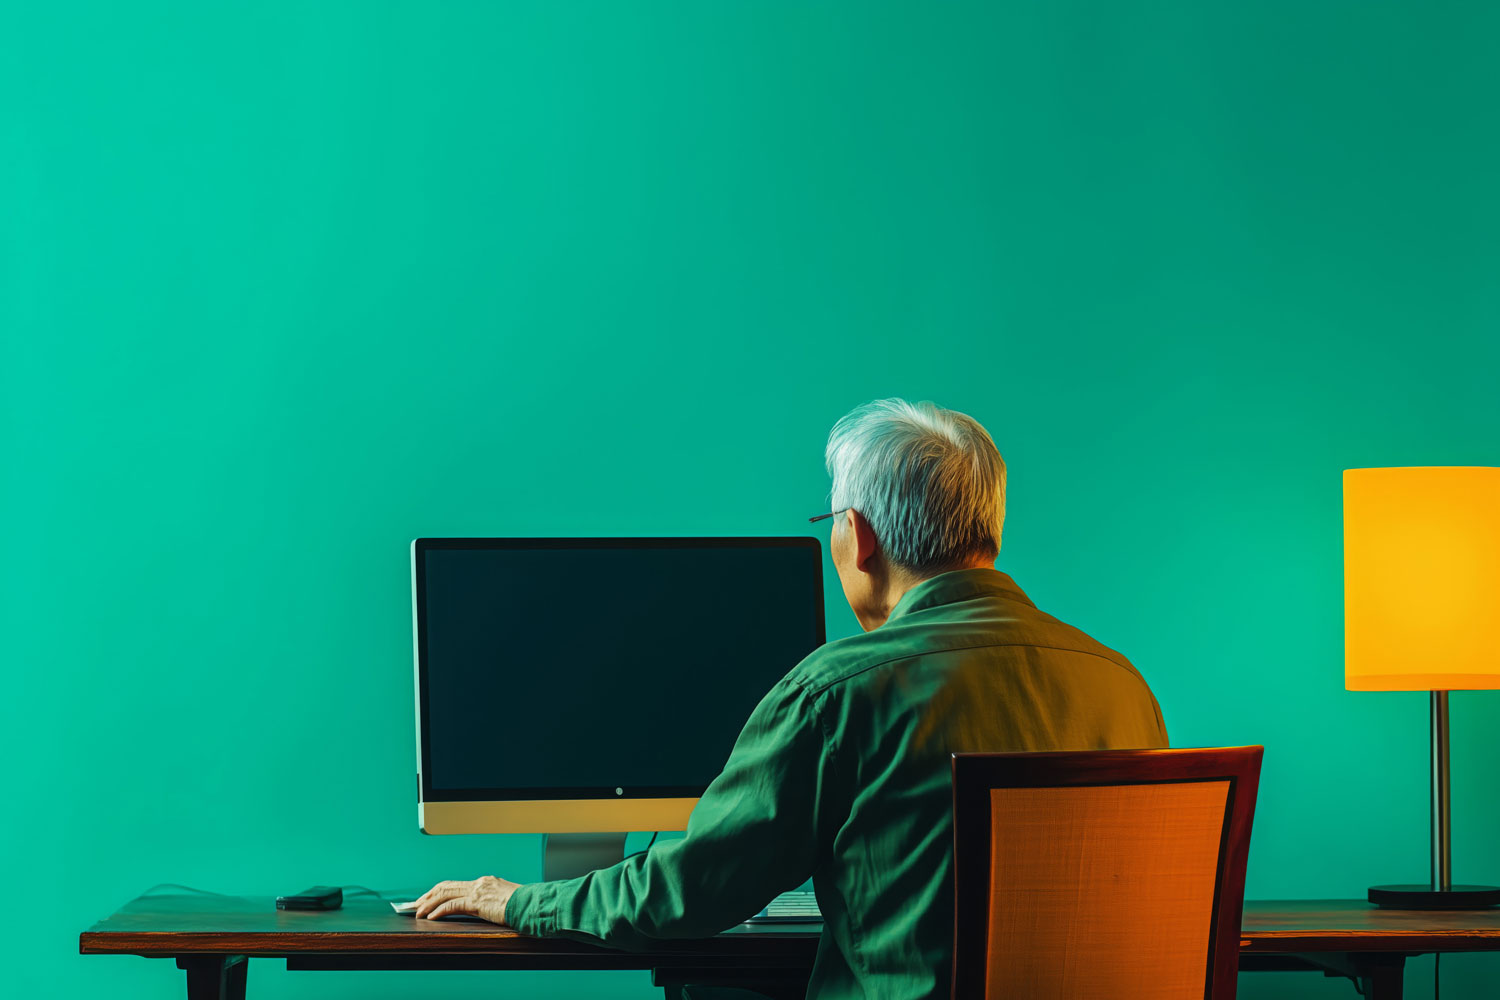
(842, 774)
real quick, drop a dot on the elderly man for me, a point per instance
(841, 773)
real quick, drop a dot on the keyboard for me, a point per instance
(799, 906)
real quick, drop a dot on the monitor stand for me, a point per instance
(569, 855)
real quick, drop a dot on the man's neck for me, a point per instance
(899, 582)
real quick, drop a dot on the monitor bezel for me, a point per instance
(426, 793)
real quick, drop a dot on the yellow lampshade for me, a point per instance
(1421, 579)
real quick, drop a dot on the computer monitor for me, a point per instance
(571, 685)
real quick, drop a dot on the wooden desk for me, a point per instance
(213, 937)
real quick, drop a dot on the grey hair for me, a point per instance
(930, 482)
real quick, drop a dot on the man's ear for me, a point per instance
(865, 547)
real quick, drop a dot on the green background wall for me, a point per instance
(283, 285)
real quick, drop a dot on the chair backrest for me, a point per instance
(1114, 874)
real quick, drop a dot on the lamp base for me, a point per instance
(1425, 897)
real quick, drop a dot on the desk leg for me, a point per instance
(214, 977)
(1378, 974)
(1381, 975)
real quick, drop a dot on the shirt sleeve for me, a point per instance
(754, 833)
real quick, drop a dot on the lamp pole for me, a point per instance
(1440, 893)
(1442, 854)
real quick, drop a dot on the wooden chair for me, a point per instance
(1115, 874)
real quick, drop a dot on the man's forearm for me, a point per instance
(675, 891)
(529, 912)
(752, 834)
(613, 907)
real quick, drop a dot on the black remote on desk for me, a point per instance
(319, 897)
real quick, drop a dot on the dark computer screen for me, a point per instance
(573, 667)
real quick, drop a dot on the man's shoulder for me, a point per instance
(847, 659)
(920, 636)
(837, 660)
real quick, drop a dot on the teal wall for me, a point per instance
(283, 285)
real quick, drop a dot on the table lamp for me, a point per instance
(1422, 613)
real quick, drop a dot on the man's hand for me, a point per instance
(484, 897)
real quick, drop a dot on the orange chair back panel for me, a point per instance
(1103, 891)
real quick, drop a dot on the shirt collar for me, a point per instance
(958, 585)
